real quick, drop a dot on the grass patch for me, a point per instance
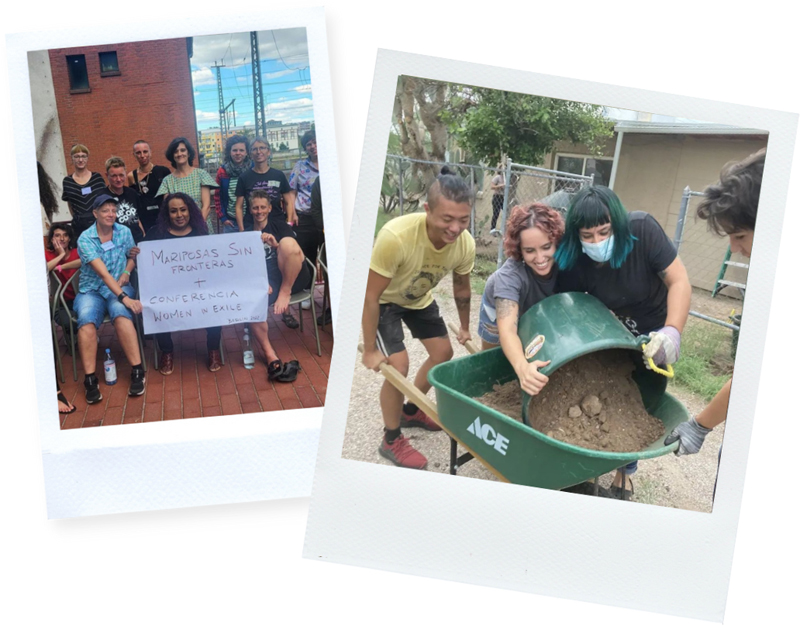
(705, 364)
(484, 267)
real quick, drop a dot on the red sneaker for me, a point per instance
(417, 420)
(402, 453)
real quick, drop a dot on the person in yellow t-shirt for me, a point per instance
(410, 256)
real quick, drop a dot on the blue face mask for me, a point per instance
(599, 252)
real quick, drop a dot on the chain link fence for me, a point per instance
(495, 192)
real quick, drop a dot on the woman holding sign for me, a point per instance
(180, 217)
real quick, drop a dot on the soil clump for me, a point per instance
(591, 402)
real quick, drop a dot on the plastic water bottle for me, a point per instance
(110, 369)
(249, 359)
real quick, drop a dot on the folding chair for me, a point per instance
(308, 294)
(326, 294)
(55, 287)
(73, 318)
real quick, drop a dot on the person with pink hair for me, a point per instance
(528, 276)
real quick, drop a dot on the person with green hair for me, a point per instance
(628, 263)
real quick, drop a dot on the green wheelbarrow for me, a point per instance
(560, 329)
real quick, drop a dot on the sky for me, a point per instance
(285, 76)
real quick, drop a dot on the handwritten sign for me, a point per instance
(199, 282)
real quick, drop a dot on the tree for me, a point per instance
(418, 106)
(524, 127)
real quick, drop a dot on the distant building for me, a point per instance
(107, 97)
(212, 145)
(279, 134)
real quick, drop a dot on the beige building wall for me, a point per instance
(652, 173)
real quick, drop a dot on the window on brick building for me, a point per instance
(78, 77)
(109, 66)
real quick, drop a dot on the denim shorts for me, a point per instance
(230, 226)
(487, 322)
(91, 307)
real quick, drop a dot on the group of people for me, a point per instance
(624, 259)
(110, 219)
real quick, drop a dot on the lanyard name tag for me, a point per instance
(86, 190)
(108, 245)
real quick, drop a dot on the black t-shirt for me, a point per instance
(278, 229)
(273, 182)
(635, 292)
(153, 235)
(81, 197)
(129, 208)
(147, 188)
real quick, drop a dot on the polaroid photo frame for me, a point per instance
(212, 460)
(529, 539)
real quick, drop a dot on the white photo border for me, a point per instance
(524, 538)
(213, 460)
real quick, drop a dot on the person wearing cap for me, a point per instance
(104, 289)
(301, 180)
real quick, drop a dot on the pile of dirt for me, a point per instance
(591, 402)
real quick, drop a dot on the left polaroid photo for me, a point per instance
(182, 271)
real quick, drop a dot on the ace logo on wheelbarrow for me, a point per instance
(489, 435)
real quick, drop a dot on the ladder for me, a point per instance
(721, 283)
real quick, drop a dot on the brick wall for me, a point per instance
(150, 99)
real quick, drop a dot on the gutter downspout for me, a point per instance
(614, 166)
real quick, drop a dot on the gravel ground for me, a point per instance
(686, 482)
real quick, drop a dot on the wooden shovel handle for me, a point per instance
(402, 384)
(469, 345)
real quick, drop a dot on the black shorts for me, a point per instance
(423, 323)
(303, 280)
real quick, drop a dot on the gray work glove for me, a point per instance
(690, 435)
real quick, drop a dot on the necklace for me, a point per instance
(142, 179)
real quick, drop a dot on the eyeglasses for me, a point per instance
(80, 157)
(261, 149)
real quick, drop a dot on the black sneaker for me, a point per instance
(92, 386)
(324, 318)
(137, 382)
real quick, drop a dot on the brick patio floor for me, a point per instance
(192, 390)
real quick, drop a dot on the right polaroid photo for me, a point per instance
(556, 283)
(592, 262)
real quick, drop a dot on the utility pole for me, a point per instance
(223, 123)
(258, 92)
(230, 105)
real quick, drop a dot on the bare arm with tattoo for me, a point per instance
(530, 379)
(679, 294)
(462, 292)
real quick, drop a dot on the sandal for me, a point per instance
(289, 320)
(214, 360)
(63, 399)
(274, 369)
(289, 373)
